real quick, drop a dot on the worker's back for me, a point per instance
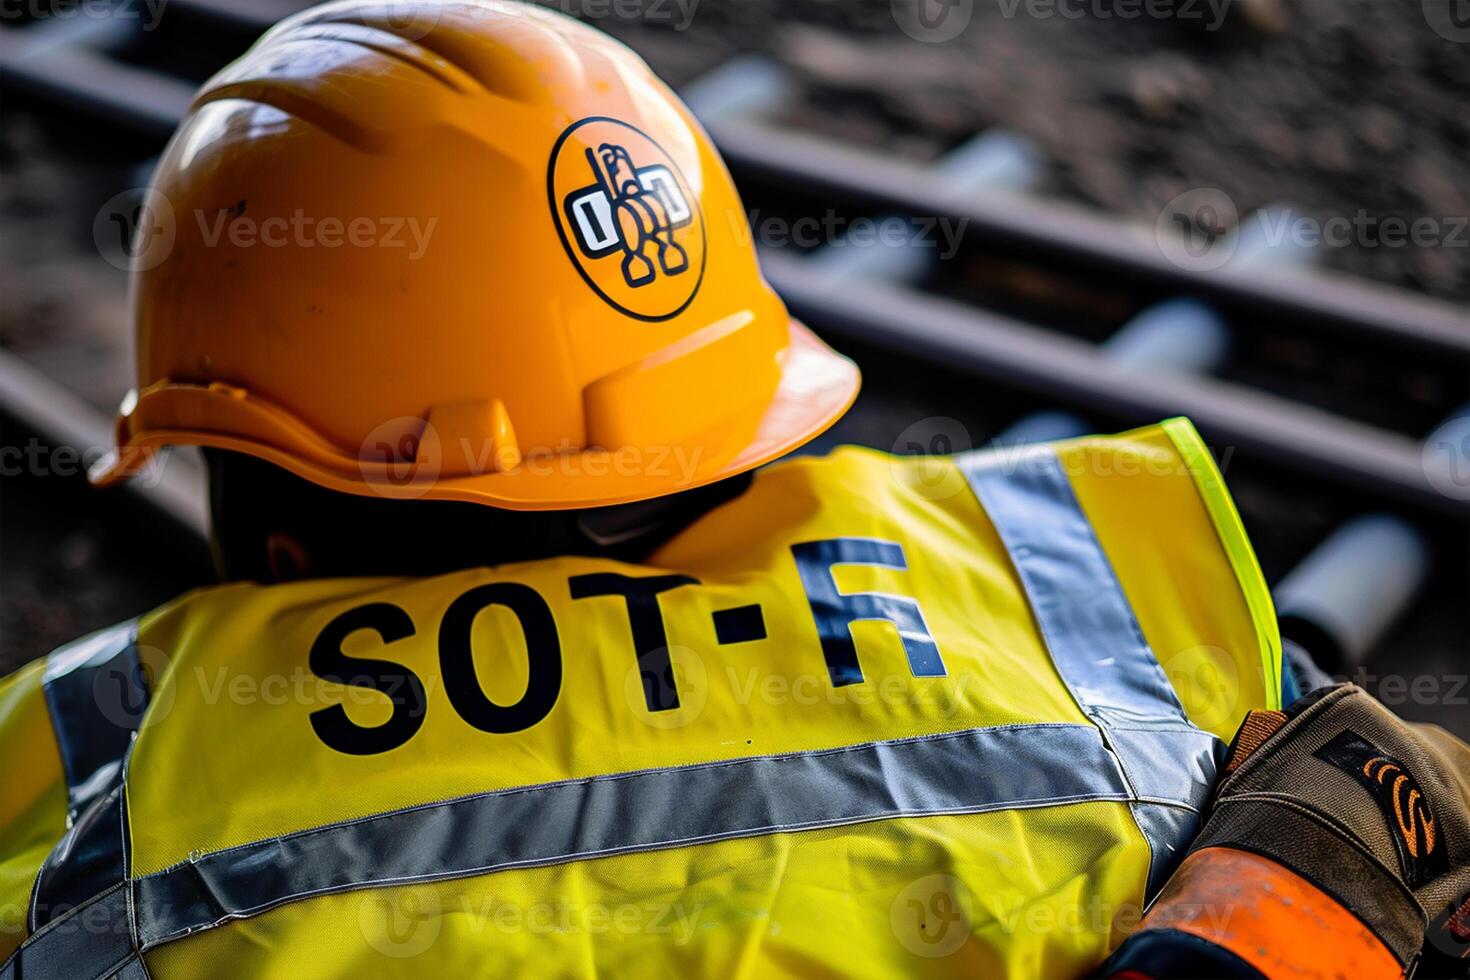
(877, 715)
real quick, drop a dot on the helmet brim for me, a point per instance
(816, 387)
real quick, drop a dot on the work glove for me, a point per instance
(1337, 845)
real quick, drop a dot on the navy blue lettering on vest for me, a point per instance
(835, 611)
(397, 683)
(543, 658)
(742, 624)
(646, 619)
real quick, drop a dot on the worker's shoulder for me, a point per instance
(1168, 448)
(251, 606)
(82, 653)
(859, 471)
(844, 483)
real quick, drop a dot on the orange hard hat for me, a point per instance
(461, 250)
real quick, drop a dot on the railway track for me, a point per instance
(120, 71)
(1011, 322)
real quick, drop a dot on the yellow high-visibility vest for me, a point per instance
(879, 716)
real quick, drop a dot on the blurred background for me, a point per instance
(1024, 218)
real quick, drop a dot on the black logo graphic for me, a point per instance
(628, 216)
(630, 209)
(1416, 836)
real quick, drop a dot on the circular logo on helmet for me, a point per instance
(627, 218)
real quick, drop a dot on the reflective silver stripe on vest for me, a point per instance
(1097, 645)
(96, 695)
(972, 771)
(94, 941)
(965, 772)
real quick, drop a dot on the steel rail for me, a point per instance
(961, 338)
(257, 14)
(176, 487)
(67, 63)
(1017, 224)
(1025, 226)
